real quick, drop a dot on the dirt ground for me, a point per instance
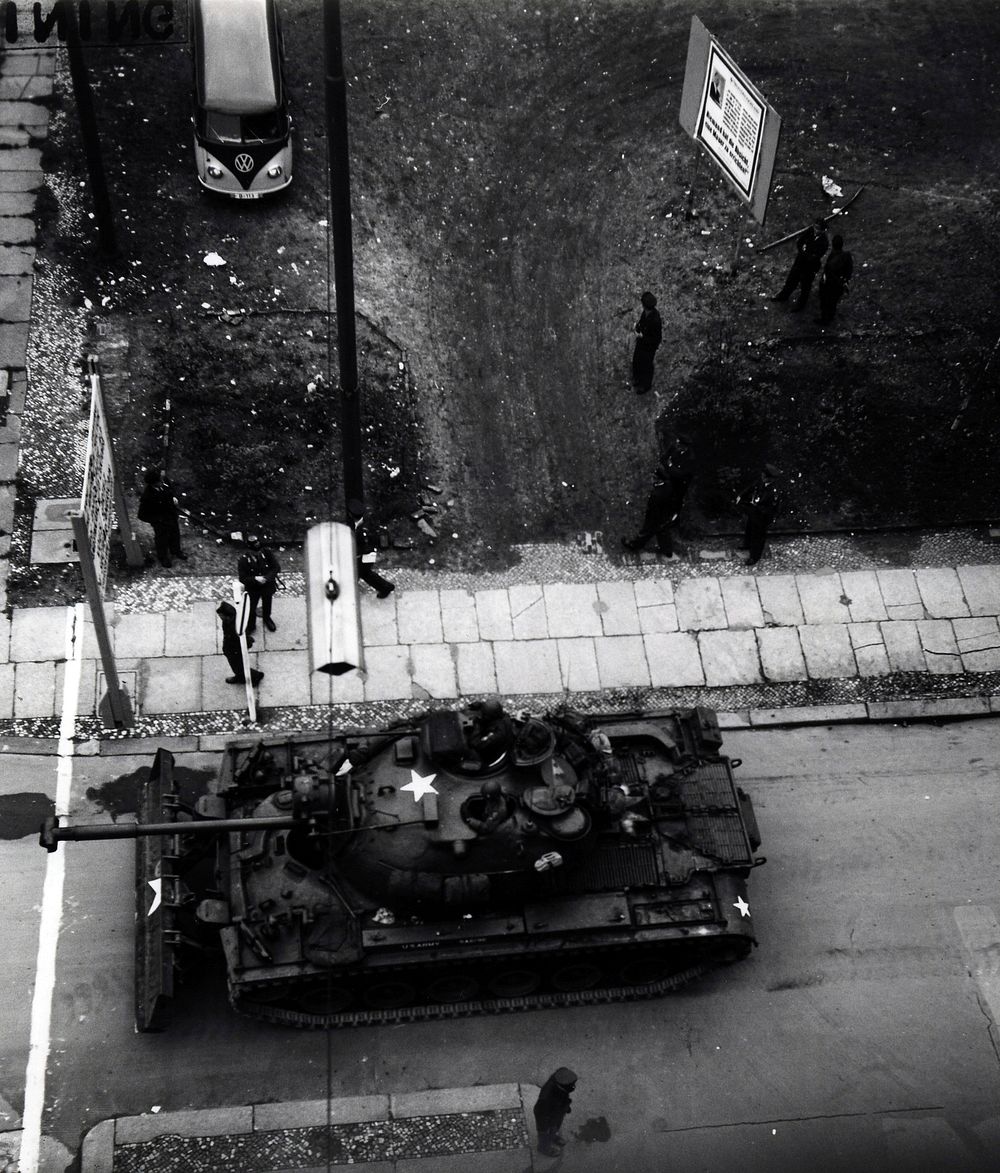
(519, 177)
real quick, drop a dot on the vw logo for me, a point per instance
(244, 163)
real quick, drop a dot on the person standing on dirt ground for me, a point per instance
(833, 282)
(258, 570)
(367, 549)
(679, 463)
(231, 647)
(158, 508)
(759, 501)
(551, 1108)
(810, 247)
(649, 327)
(661, 513)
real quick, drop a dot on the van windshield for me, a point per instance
(242, 128)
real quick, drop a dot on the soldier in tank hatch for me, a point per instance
(492, 736)
(485, 811)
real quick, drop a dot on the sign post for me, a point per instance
(101, 503)
(725, 112)
(241, 601)
(115, 709)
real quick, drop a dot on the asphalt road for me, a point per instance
(856, 1036)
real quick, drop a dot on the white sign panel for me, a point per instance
(97, 501)
(731, 121)
(728, 115)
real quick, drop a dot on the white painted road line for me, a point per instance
(52, 906)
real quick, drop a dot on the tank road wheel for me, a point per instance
(514, 983)
(330, 999)
(453, 987)
(389, 994)
(578, 975)
(644, 971)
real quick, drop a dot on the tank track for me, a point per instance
(536, 1001)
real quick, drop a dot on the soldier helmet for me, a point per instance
(490, 788)
(492, 708)
(565, 1078)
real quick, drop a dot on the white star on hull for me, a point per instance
(420, 785)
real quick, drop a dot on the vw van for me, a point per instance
(242, 131)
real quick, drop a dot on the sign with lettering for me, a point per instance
(728, 115)
(26, 24)
(97, 500)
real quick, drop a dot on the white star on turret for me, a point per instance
(742, 905)
(420, 786)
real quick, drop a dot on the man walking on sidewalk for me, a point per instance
(551, 1108)
(231, 647)
(367, 545)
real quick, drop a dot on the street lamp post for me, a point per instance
(338, 157)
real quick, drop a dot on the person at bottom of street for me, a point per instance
(258, 570)
(649, 327)
(661, 513)
(833, 282)
(759, 501)
(367, 545)
(231, 646)
(810, 248)
(551, 1108)
(158, 508)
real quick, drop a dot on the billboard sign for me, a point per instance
(724, 111)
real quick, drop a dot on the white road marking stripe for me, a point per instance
(52, 905)
(980, 931)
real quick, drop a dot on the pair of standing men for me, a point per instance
(810, 248)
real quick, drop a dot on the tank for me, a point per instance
(460, 862)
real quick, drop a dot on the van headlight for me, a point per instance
(274, 172)
(215, 172)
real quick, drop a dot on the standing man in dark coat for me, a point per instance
(158, 508)
(231, 647)
(809, 251)
(759, 502)
(650, 330)
(258, 571)
(367, 547)
(661, 513)
(679, 464)
(833, 283)
(551, 1108)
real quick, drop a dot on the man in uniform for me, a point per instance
(833, 282)
(551, 1108)
(492, 807)
(759, 502)
(258, 571)
(661, 512)
(367, 545)
(158, 508)
(649, 327)
(809, 251)
(492, 736)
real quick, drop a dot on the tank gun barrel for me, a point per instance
(51, 834)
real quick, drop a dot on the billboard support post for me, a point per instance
(115, 708)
